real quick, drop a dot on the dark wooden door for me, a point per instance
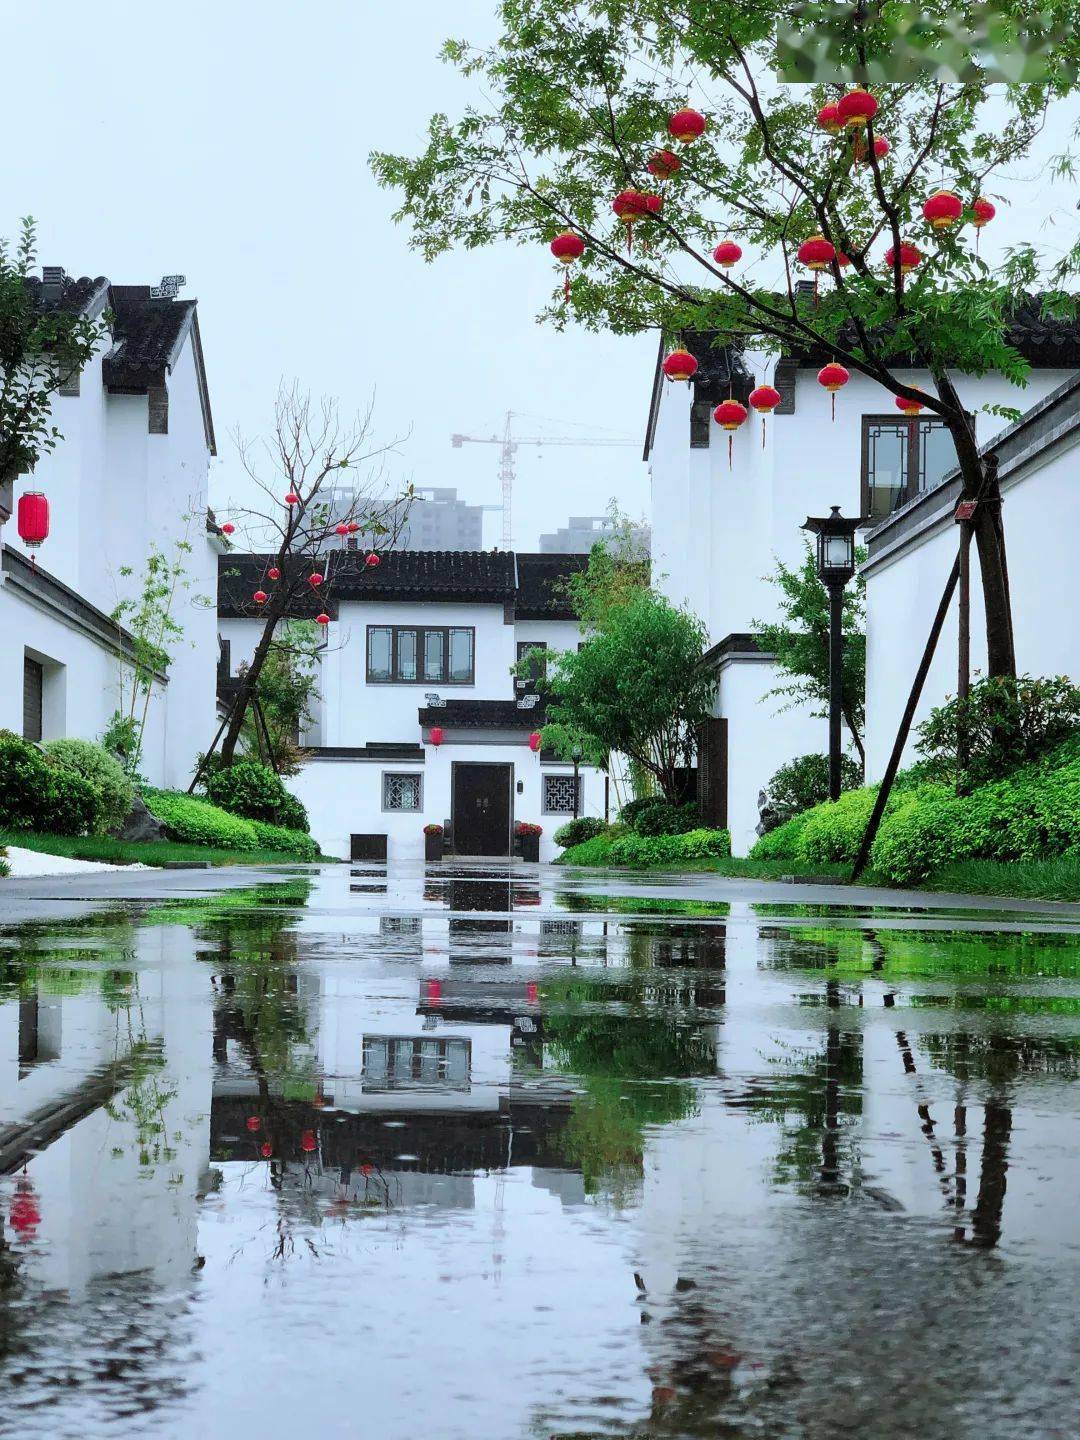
(480, 813)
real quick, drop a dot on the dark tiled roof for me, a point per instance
(73, 296)
(148, 334)
(542, 585)
(530, 583)
(482, 715)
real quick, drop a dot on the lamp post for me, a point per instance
(835, 567)
(576, 755)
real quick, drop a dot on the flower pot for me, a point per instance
(530, 847)
(434, 846)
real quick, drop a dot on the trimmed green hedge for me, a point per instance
(38, 795)
(1033, 814)
(197, 822)
(102, 772)
(289, 842)
(252, 790)
(644, 850)
(576, 832)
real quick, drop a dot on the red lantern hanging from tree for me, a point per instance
(341, 529)
(679, 365)
(943, 209)
(371, 560)
(828, 119)
(982, 212)
(322, 619)
(860, 152)
(910, 257)
(292, 498)
(816, 254)
(567, 247)
(307, 1141)
(833, 377)
(729, 415)
(253, 1123)
(908, 407)
(266, 1149)
(855, 108)
(260, 597)
(534, 741)
(664, 164)
(436, 735)
(354, 526)
(273, 573)
(228, 528)
(686, 125)
(633, 205)
(315, 579)
(764, 400)
(33, 521)
(727, 253)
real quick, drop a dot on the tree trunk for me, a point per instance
(249, 681)
(854, 734)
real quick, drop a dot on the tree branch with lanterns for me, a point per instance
(572, 150)
(324, 491)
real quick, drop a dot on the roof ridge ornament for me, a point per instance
(169, 288)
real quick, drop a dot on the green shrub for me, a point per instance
(289, 842)
(783, 843)
(832, 831)
(804, 782)
(633, 808)
(197, 822)
(251, 789)
(664, 818)
(103, 772)
(575, 831)
(920, 834)
(35, 795)
(596, 851)
(698, 844)
(1008, 723)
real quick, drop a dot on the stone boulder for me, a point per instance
(141, 823)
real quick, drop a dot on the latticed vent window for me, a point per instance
(401, 792)
(559, 794)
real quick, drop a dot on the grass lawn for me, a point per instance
(150, 852)
(1054, 879)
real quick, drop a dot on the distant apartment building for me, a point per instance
(436, 520)
(580, 534)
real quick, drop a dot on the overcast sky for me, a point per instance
(229, 141)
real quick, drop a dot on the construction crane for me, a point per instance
(508, 443)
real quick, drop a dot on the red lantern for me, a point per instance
(25, 1212)
(910, 258)
(817, 253)
(679, 365)
(436, 735)
(365, 1169)
(266, 1149)
(534, 741)
(943, 209)
(828, 120)
(228, 528)
(33, 521)
(833, 377)
(842, 260)
(664, 164)
(631, 205)
(292, 498)
(983, 212)
(730, 415)
(859, 150)
(322, 619)
(371, 559)
(532, 992)
(354, 526)
(433, 990)
(855, 108)
(727, 253)
(315, 579)
(307, 1141)
(764, 400)
(273, 573)
(908, 407)
(260, 597)
(253, 1123)
(881, 147)
(686, 125)
(341, 529)
(567, 248)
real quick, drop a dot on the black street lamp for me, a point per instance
(576, 755)
(835, 567)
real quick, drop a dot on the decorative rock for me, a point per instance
(141, 823)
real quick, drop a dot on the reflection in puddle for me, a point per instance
(617, 1164)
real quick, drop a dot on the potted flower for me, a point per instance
(433, 842)
(529, 839)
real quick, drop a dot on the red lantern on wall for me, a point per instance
(679, 365)
(855, 108)
(33, 521)
(567, 247)
(764, 400)
(664, 164)
(436, 735)
(686, 125)
(727, 253)
(943, 209)
(729, 414)
(828, 120)
(833, 377)
(534, 741)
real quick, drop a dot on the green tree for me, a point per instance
(41, 346)
(618, 568)
(577, 98)
(800, 642)
(637, 687)
(287, 689)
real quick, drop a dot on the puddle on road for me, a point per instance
(473, 1154)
